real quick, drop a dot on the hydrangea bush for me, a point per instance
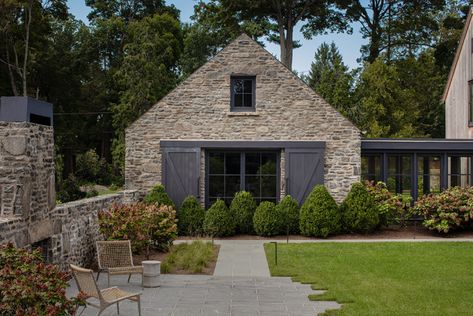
(447, 211)
(28, 286)
(392, 208)
(145, 225)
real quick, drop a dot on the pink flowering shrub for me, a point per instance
(144, 225)
(446, 211)
(28, 286)
(392, 208)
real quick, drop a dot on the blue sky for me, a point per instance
(349, 45)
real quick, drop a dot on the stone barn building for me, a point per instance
(243, 121)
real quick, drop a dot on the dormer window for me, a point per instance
(243, 96)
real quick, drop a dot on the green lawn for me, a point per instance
(383, 278)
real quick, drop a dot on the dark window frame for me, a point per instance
(251, 108)
(470, 103)
(243, 174)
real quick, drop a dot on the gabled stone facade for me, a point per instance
(286, 110)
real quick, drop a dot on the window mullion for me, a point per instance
(242, 171)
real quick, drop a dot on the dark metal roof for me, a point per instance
(417, 144)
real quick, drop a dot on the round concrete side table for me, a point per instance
(151, 272)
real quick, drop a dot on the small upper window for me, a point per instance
(243, 93)
(470, 100)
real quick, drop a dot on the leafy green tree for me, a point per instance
(277, 19)
(148, 70)
(395, 27)
(331, 78)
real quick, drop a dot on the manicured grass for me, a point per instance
(383, 278)
(190, 258)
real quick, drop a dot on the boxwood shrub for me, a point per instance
(320, 215)
(289, 210)
(267, 220)
(158, 195)
(190, 217)
(243, 208)
(359, 211)
(219, 221)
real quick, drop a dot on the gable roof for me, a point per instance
(217, 59)
(458, 53)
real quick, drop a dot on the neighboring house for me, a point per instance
(243, 121)
(458, 95)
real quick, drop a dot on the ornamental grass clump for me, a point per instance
(218, 221)
(190, 217)
(289, 210)
(320, 215)
(28, 286)
(392, 208)
(158, 195)
(267, 220)
(243, 208)
(146, 226)
(359, 211)
(447, 211)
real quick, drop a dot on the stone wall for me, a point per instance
(27, 199)
(75, 243)
(286, 110)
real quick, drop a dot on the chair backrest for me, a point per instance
(114, 254)
(85, 281)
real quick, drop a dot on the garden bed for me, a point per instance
(410, 232)
(183, 258)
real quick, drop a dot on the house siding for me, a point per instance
(286, 110)
(457, 94)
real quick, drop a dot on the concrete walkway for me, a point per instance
(241, 258)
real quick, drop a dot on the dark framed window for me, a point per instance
(399, 178)
(428, 174)
(459, 171)
(243, 93)
(470, 101)
(229, 172)
(371, 168)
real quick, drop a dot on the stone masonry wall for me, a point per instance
(27, 198)
(286, 109)
(27, 193)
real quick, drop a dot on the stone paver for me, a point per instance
(210, 295)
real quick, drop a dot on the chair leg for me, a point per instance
(98, 274)
(129, 277)
(139, 306)
(118, 308)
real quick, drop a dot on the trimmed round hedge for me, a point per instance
(191, 217)
(290, 212)
(320, 215)
(219, 221)
(243, 208)
(359, 211)
(158, 195)
(267, 220)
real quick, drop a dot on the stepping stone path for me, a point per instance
(241, 285)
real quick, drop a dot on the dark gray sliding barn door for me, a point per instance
(304, 170)
(181, 170)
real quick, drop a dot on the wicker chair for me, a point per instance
(115, 258)
(106, 297)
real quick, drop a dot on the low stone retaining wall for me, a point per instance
(70, 232)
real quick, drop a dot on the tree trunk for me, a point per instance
(27, 44)
(10, 74)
